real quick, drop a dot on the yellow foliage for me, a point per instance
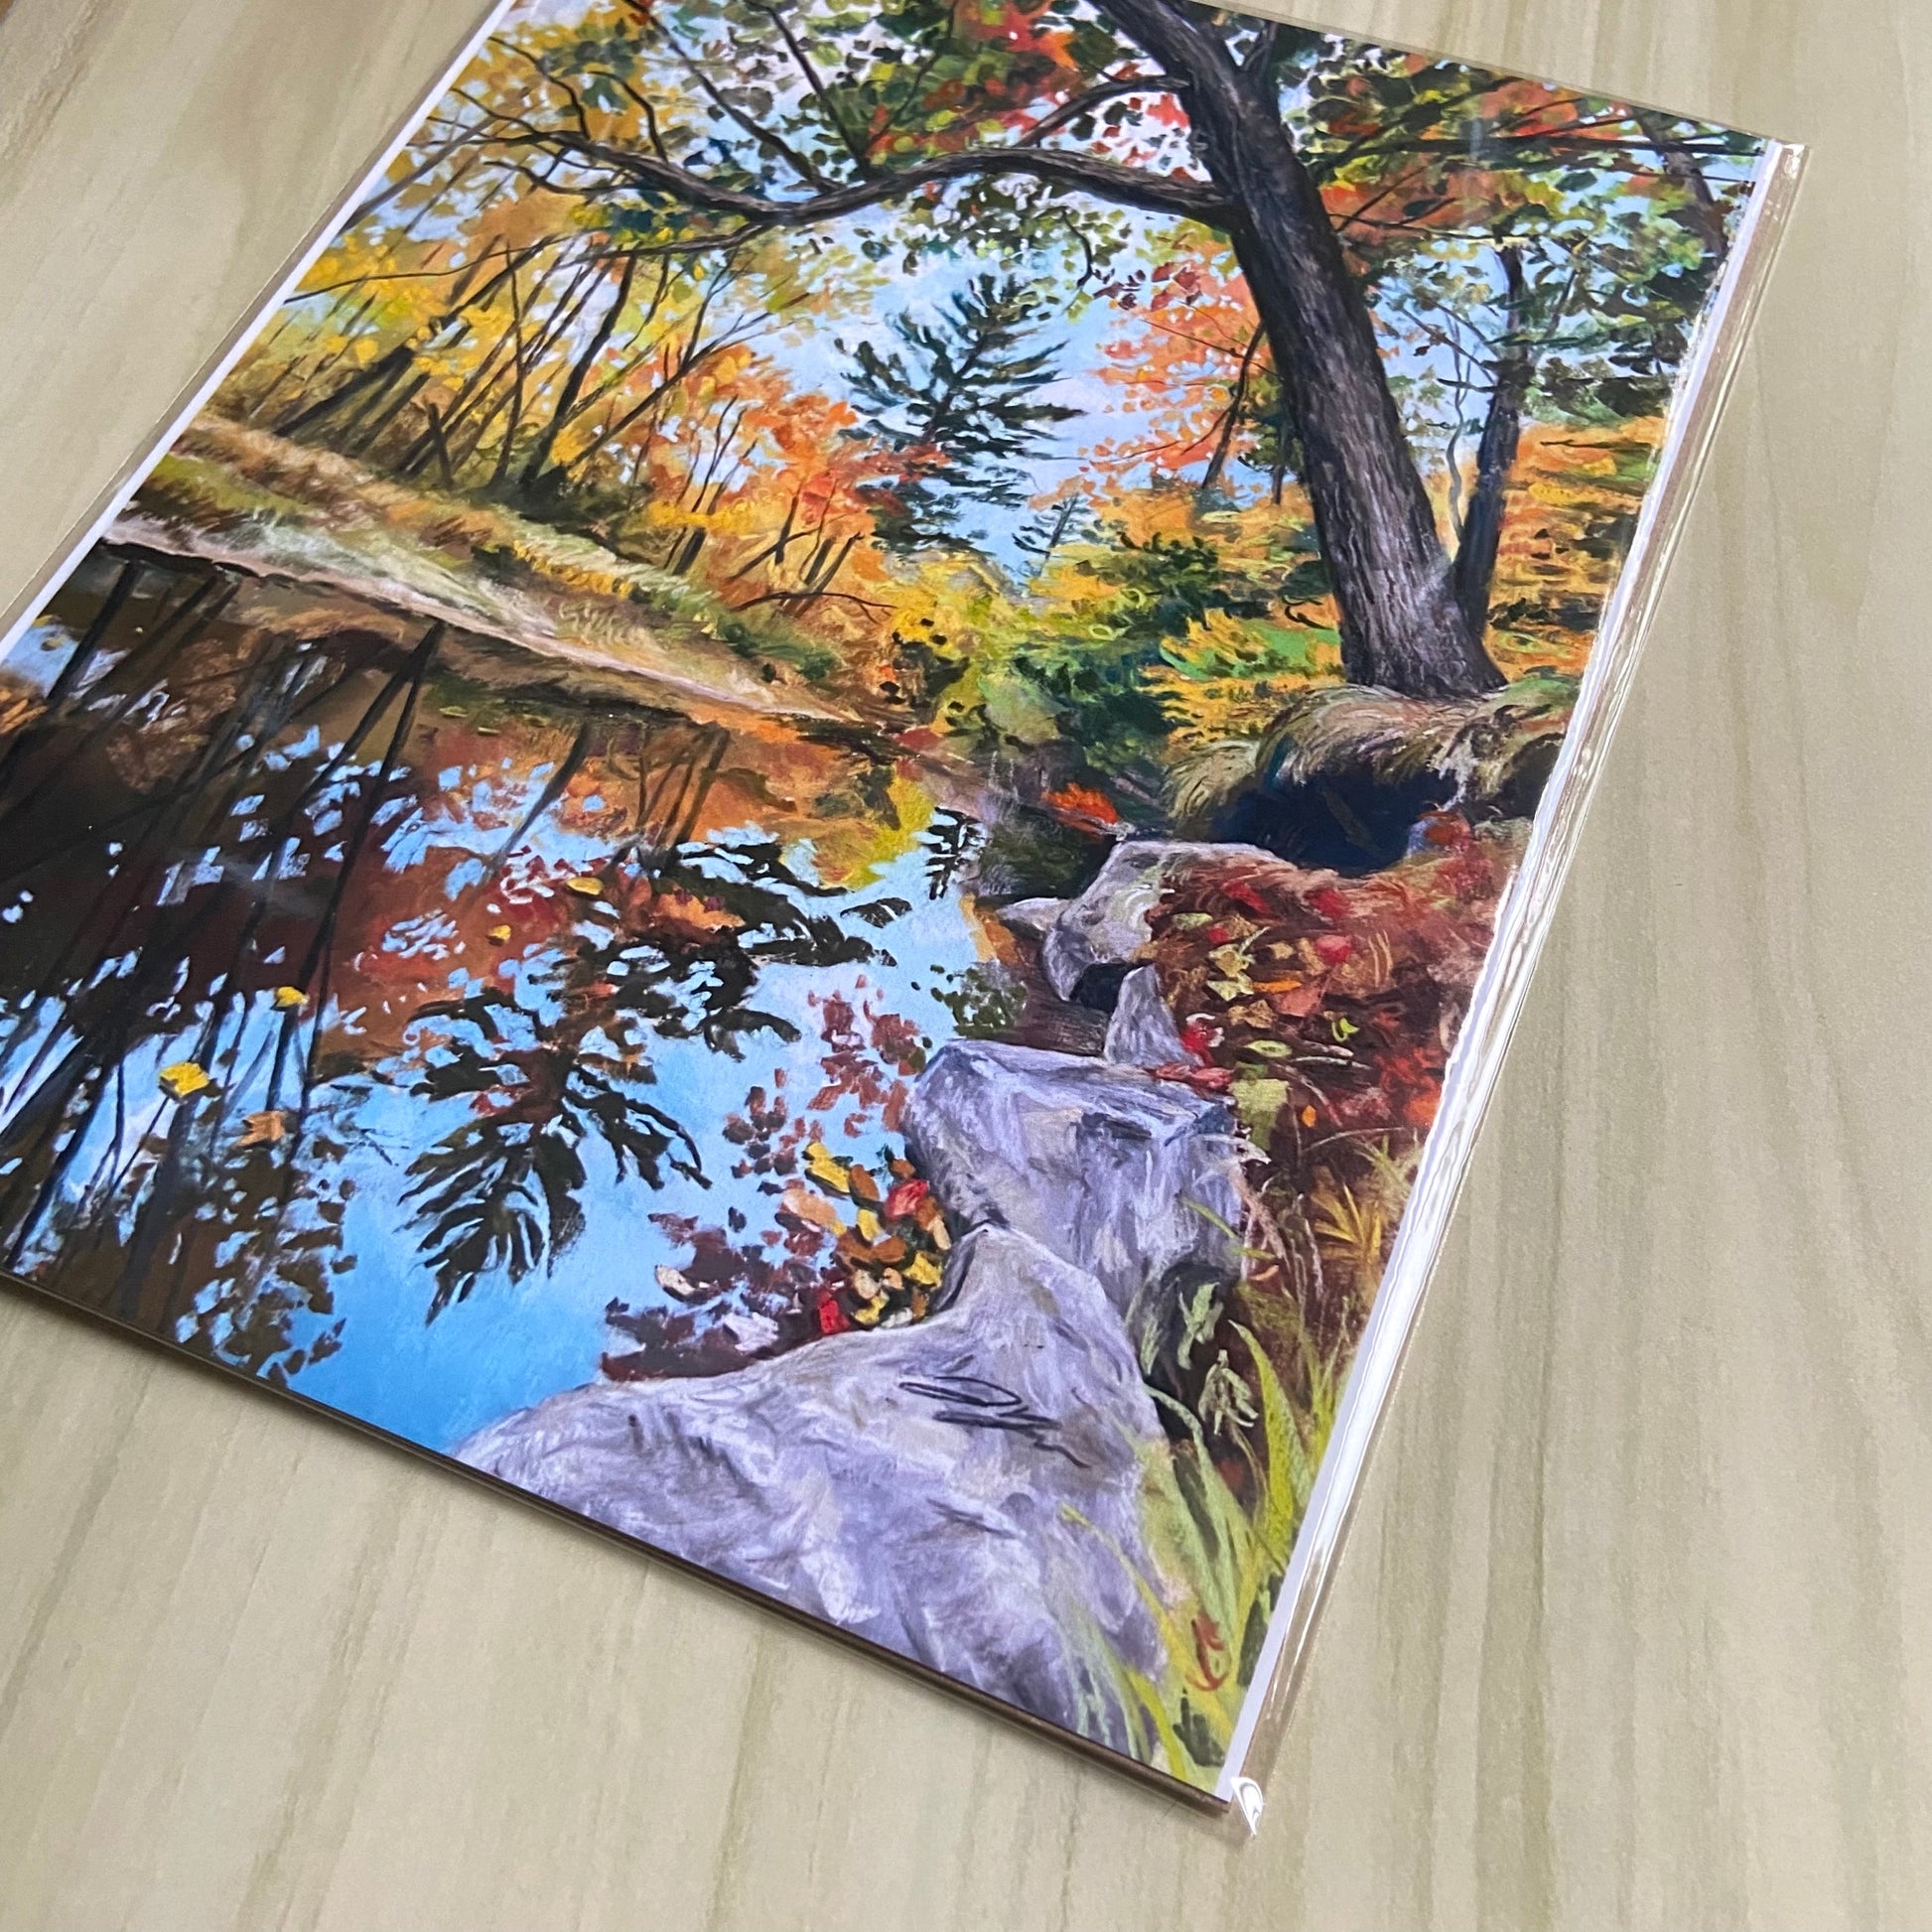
(1571, 513)
(852, 848)
(1229, 677)
(824, 1168)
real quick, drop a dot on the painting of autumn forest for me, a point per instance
(779, 821)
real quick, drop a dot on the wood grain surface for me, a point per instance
(1635, 1624)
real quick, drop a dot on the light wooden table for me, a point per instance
(1635, 1625)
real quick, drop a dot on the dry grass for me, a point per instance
(1484, 746)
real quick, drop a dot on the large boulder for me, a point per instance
(1033, 916)
(965, 1492)
(1142, 1032)
(1129, 1177)
(1105, 928)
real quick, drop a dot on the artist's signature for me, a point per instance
(975, 1403)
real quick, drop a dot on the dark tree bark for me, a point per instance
(1502, 431)
(1681, 166)
(385, 370)
(1401, 623)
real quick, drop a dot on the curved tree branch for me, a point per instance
(1108, 181)
(1071, 110)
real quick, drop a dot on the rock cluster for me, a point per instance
(965, 1492)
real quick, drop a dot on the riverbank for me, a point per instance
(341, 547)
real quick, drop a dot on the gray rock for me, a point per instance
(1107, 924)
(1033, 916)
(1126, 1177)
(1142, 1032)
(964, 1491)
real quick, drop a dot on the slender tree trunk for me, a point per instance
(519, 377)
(382, 371)
(473, 394)
(444, 467)
(1401, 625)
(1681, 166)
(535, 473)
(389, 367)
(377, 425)
(1502, 430)
(1218, 460)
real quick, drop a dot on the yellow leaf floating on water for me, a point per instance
(588, 887)
(820, 1164)
(923, 1270)
(183, 1078)
(289, 999)
(869, 1227)
(499, 936)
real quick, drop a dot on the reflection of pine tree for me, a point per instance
(951, 842)
(957, 403)
(671, 947)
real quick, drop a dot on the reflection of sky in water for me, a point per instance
(38, 654)
(508, 1346)
(505, 1348)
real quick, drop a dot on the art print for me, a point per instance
(779, 822)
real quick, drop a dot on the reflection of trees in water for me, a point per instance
(952, 843)
(670, 946)
(190, 813)
(208, 869)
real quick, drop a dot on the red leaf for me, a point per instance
(904, 1199)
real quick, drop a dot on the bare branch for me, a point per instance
(1071, 110)
(1108, 181)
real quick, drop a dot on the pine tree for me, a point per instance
(957, 405)
(1043, 537)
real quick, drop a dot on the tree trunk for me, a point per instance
(1218, 460)
(1401, 625)
(1681, 166)
(536, 472)
(1502, 431)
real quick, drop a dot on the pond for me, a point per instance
(423, 1038)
